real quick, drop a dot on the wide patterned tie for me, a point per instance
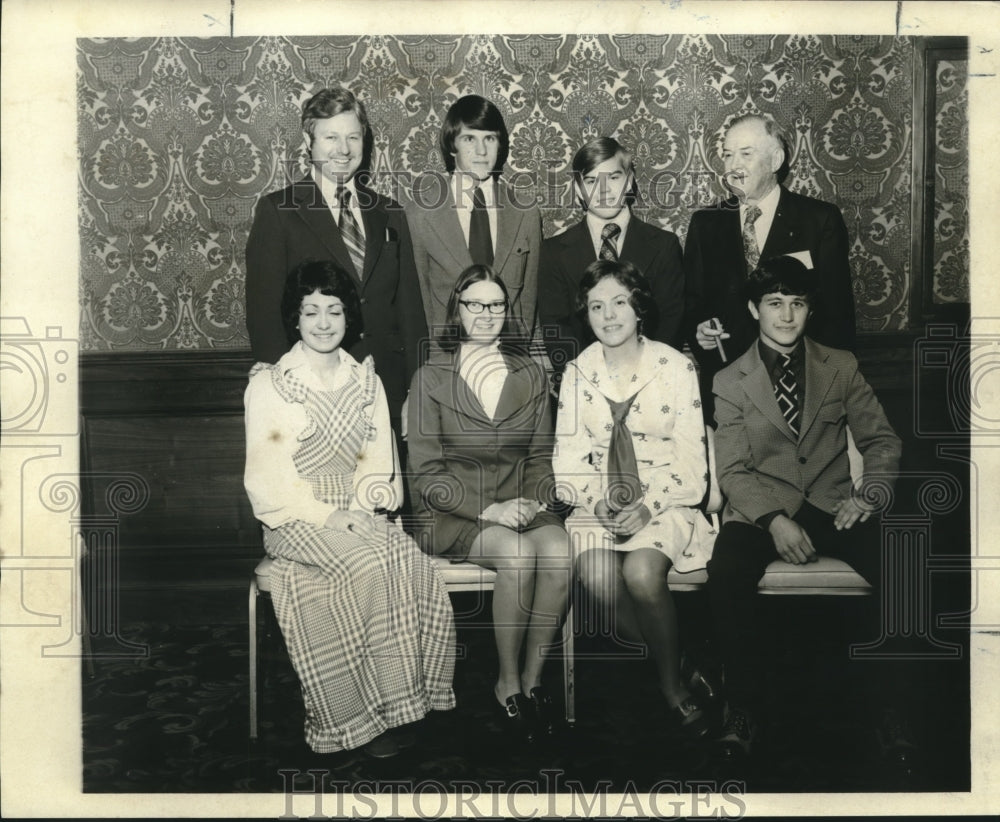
(623, 483)
(750, 249)
(480, 239)
(786, 392)
(609, 250)
(351, 231)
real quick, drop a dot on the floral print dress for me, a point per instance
(668, 434)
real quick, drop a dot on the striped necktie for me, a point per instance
(750, 249)
(351, 231)
(786, 392)
(609, 251)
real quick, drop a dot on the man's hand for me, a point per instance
(848, 512)
(791, 541)
(708, 332)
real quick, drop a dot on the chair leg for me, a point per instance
(252, 614)
(569, 674)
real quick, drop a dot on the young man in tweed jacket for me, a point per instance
(783, 409)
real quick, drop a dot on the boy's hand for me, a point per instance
(791, 541)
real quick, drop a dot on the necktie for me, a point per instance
(785, 391)
(750, 249)
(623, 472)
(480, 239)
(608, 235)
(351, 232)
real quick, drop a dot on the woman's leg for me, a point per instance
(500, 549)
(600, 572)
(550, 547)
(645, 573)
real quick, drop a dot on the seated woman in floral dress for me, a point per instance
(365, 616)
(480, 448)
(631, 457)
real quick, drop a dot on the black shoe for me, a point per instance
(738, 734)
(383, 746)
(519, 718)
(689, 718)
(697, 681)
(547, 721)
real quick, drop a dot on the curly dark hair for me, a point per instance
(640, 296)
(328, 279)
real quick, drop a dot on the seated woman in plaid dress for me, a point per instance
(365, 616)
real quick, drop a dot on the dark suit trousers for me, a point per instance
(741, 555)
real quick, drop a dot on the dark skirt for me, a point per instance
(470, 530)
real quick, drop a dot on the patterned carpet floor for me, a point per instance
(176, 720)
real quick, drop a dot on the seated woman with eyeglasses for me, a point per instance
(480, 451)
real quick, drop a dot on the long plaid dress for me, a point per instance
(369, 627)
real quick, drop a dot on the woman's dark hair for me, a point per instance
(453, 333)
(592, 154)
(475, 112)
(640, 296)
(328, 279)
(782, 275)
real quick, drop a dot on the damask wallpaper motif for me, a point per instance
(951, 183)
(179, 137)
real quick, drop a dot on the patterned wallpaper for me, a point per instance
(178, 138)
(951, 183)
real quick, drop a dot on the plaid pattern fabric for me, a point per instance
(368, 626)
(351, 231)
(610, 232)
(750, 249)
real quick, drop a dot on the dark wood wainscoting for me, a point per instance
(169, 426)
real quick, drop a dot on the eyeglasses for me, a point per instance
(476, 307)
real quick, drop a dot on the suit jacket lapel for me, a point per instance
(508, 221)
(448, 230)
(781, 236)
(578, 251)
(315, 213)
(819, 378)
(758, 387)
(453, 392)
(638, 248)
(375, 220)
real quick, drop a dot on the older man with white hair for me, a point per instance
(761, 219)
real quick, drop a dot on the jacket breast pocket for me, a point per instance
(517, 264)
(831, 412)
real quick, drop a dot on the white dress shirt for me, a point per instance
(484, 370)
(768, 207)
(596, 226)
(463, 189)
(329, 189)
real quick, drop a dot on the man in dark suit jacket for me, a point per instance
(332, 215)
(781, 452)
(605, 182)
(721, 248)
